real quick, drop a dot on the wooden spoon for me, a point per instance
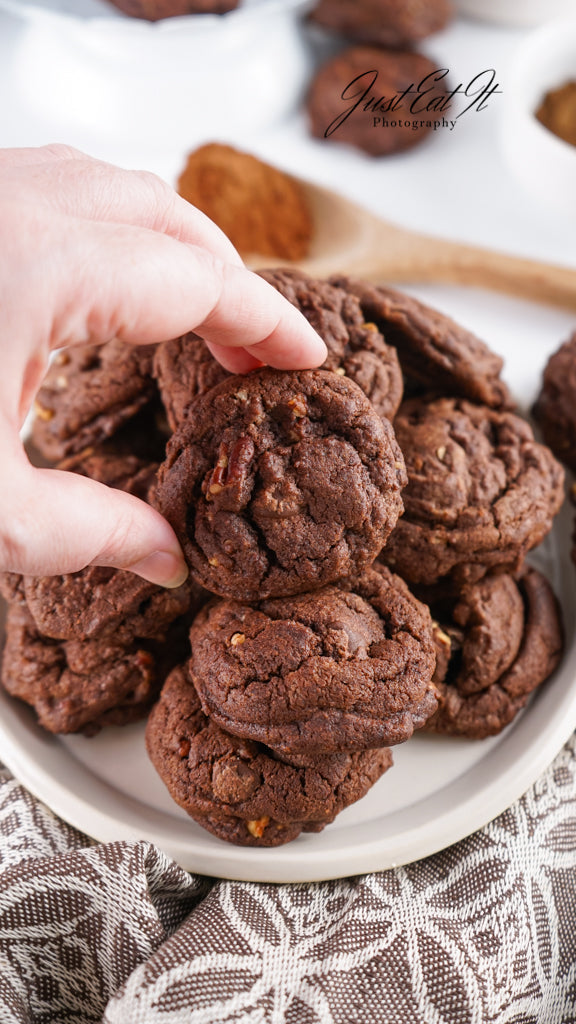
(348, 239)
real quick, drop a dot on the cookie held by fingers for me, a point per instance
(356, 348)
(281, 483)
(185, 369)
(239, 790)
(344, 668)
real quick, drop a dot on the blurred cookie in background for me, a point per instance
(368, 97)
(155, 10)
(394, 23)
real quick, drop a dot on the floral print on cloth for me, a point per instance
(481, 933)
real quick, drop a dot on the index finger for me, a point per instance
(143, 287)
(81, 186)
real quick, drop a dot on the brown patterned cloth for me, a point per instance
(482, 933)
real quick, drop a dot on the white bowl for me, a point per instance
(544, 164)
(84, 65)
(516, 12)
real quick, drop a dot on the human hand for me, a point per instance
(91, 252)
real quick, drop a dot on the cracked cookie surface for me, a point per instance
(435, 353)
(79, 685)
(281, 483)
(481, 491)
(344, 668)
(237, 789)
(90, 392)
(356, 348)
(185, 368)
(502, 639)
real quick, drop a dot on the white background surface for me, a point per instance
(457, 186)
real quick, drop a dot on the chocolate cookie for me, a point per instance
(281, 483)
(79, 685)
(555, 407)
(348, 92)
(185, 369)
(502, 640)
(435, 353)
(481, 492)
(336, 670)
(154, 10)
(89, 392)
(238, 789)
(395, 23)
(100, 601)
(356, 349)
(124, 472)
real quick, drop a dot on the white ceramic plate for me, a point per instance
(440, 789)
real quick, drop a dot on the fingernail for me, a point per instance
(162, 567)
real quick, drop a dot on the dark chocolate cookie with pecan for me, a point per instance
(500, 640)
(395, 23)
(481, 492)
(339, 100)
(344, 668)
(185, 369)
(80, 685)
(89, 393)
(555, 407)
(281, 483)
(239, 790)
(435, 353)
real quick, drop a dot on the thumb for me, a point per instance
(56, 522)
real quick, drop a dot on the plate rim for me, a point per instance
(294, 863)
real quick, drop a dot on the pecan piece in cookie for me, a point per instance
(79, 685)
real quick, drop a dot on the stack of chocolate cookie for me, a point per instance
(350, 581)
